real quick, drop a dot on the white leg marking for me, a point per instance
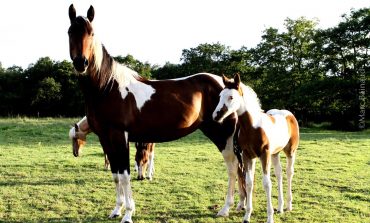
(119, 197)
(290, 173)
(129, 201)
(151, 166)
(249, 179)
(140, 171)
(232, 168)
(268, 187)
(278, 172)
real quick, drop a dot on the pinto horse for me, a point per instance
(122, 106)
(144, 159)
(261, 135)
(144, 151)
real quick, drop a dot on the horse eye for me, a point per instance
(231, 98)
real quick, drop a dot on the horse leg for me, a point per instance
(114, 169)
(232, 167)
(119, 159)
(278, 172)
(124, 178)
(250, 166)
(151, 165)
(106, 162)
(242, 190)
(266, 164)
(119, 197)
(290, 173)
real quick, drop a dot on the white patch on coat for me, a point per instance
(127, 82)
(277, 132)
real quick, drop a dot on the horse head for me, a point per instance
(78, 140)
(81, 39)
(230, 98)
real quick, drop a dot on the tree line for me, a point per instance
(318, 74)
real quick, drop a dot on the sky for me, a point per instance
(154, 31)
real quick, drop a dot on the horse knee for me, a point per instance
(124, 178)
(266, 182)
(248, 182)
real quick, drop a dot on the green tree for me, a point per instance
(144, 69)
(12, 91)
(205, 58)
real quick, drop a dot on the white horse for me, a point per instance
(261, 135)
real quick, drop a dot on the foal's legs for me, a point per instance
(266, 164)
(290, 173)
(250, 165)
(278, 172)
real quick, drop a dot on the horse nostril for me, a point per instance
(86, 62)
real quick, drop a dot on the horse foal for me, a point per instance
(261, 135)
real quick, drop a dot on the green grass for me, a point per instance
(41, 181)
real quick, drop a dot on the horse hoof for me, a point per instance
(222, 214)
(114, 216)
(278, 211)
(245, 221)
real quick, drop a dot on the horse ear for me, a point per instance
(91, 13)
(224, 79)
(72, 13)
(237, 79)
(76, 127)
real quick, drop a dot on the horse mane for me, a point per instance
(105, 68)
(251, 100)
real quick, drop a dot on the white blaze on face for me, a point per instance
(229, 99)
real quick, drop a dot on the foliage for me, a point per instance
(41, 181)
(320, 75)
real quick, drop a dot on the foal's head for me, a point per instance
(81, 39)
(230, 98)
(142, 158)
(78, 140)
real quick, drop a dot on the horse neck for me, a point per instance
(104, 70)
(84, 128)
(250, 108)
(101, 67)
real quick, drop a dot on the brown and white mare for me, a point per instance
(144, 151)
(121, 106)
(261, 135)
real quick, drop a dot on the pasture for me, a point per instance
(41, 181)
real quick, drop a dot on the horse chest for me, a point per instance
(253, 141)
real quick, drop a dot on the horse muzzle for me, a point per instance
(80, 63)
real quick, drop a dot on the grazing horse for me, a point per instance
(122, 106)
(78, 135)
(144, 151)
(144, 159)
(261, 135)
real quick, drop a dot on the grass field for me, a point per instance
(41, 181)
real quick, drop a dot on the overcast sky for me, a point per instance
(152, 30)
